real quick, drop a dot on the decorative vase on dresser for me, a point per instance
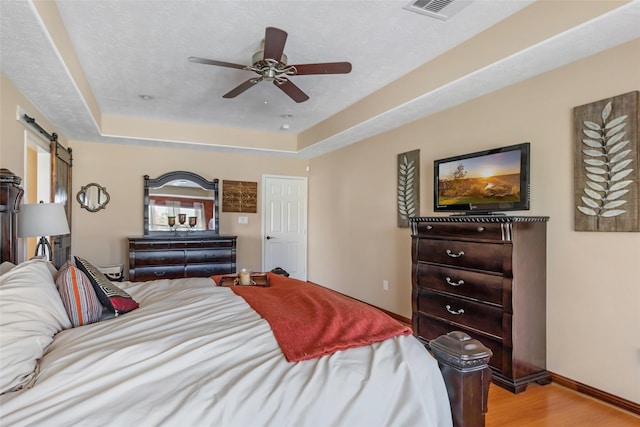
(486, 276)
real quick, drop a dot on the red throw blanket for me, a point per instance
(310, 321)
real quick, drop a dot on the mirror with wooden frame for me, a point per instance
(93, 197)
(180, 202)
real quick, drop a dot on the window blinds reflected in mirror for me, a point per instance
(180, 214)
(180, 201)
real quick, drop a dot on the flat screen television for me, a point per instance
(484, 182)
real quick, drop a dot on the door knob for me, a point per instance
(270, 237)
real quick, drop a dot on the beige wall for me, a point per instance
(101, 236)
(593, 286)
(12, 132)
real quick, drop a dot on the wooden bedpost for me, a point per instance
(463, 362)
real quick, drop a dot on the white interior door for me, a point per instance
(284, 219)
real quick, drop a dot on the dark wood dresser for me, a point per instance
(153, 257)
(10, 198)
(486, 276)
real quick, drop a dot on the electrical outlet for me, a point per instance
(385, 285)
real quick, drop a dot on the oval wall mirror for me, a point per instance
(93, 197)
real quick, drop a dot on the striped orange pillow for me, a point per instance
(110, 296)
(78, 297)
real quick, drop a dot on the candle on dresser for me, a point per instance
(244, 277)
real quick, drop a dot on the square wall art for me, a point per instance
(239, 196)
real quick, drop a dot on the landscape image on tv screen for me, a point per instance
(494, 178)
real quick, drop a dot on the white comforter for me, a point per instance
(195, 354)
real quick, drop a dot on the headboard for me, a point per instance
(10, 199)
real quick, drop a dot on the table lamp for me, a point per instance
(42, 219)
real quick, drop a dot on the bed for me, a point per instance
(194, 353)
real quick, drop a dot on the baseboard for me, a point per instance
(603, 396)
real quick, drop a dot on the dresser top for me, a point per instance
(480, 218)
(182, 236)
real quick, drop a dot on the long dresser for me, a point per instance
(486, 276)
(152, 257)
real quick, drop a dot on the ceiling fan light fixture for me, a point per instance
(269, 73)
(270, 64)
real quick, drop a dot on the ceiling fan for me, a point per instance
(271, 65)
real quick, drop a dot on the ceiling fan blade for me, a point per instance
(323, 68)
(241, 88)
(274, 40)
(292, 90)
(213, 62)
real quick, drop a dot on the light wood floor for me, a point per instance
(554, 406)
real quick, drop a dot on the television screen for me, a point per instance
(483, 182)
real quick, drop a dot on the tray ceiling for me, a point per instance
(128, 50)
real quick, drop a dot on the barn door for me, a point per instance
(61, 162)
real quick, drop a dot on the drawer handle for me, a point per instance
(159, 273)
(449, 281)
(456, 312)
(480, 229)
(429, 227)
(452, 255)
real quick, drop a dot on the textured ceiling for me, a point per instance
(128, 48)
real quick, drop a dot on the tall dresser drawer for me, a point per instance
(482, 256)
(472, 314)
(481, 231)
(471, 284)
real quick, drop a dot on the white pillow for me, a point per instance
(31, 313)
(52, 268)
(5, 267)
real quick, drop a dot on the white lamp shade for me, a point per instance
(42, 219)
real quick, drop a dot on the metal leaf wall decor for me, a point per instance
(408, 186)
(606, 187)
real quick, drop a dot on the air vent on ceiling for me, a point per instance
(439, 9)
